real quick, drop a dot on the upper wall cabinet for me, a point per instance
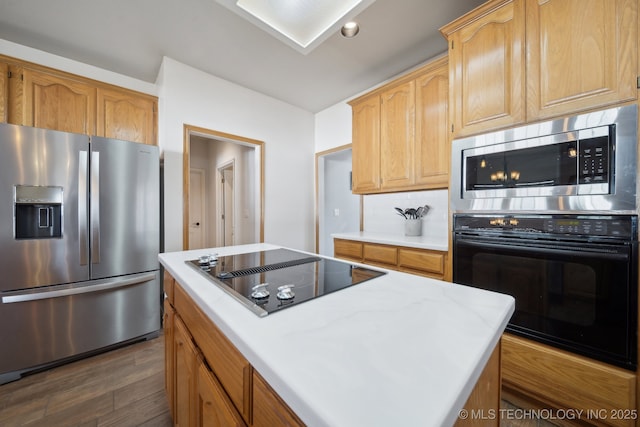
(580, 55)
(433, 149)
(400, 133)
(32, 95)
(365, 147)
(54, 102)
(486, 67)
(397, 136)
(124, 115)
(516, 61)
(4, 92)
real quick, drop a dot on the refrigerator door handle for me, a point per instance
(100, 285)
(82, 208)
(95, 207)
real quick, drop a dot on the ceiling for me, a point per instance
(131, 37)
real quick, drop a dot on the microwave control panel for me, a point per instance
(594, 160)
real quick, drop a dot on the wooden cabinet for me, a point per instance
(400, 133)
(423, 262)
(185, 389)
(208, 381)
(124, 115)
(33, 95)
(268, 409)
(580, 56)
(382, 255)
(169, 359)
(365, 147)
(580, 383)
(348, 249)
(397, 136)
(55, 102)
(432, 144)
(486, 67)
(4, 92)
(214, 408)
(517, 61)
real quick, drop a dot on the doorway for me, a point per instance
(240, 161)
(339, 210)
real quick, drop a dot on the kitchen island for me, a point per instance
(399, 349)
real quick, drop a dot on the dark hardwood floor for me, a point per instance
(124, 387)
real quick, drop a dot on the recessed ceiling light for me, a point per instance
(350, 29)
(302, 24)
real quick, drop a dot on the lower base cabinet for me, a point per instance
(210, 384)
(213, 407)
(551, 378)
(423, 262)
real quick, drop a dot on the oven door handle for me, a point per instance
(621, 255)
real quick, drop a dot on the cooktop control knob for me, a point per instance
(260, 291)
(285, 292)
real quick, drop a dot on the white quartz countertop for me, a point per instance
(396, 350)
(419, 242)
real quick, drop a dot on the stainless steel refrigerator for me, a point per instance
(79, 241)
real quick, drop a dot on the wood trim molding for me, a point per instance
(189, 130)
(317, 189)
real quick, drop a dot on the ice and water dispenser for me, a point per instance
(38, 212)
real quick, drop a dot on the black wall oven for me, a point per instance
(574, 277)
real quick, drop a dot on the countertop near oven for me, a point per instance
(398, 349)
(420, 242)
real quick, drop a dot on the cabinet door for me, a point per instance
(487, 60)
(366, 145)
(432, 128)
(581, 54)
(397, 131)
(185, 353)
(268, 409)
(126, 115)
(57, 103)
(169, 363)
(214, 407)
(4, 92)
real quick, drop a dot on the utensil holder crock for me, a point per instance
(413, 227)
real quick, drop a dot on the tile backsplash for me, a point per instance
(380, 216)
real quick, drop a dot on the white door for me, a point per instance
(196, 209)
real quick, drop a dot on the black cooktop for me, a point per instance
(288, 277)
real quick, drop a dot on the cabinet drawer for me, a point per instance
(380, 254)
(549, 374)
(347, 249)
(230, 367)
(431, 262)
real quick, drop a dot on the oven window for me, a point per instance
(577, 299)
(543, 166)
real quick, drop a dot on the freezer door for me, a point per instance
(46, 325)
(125, 207)
(42, 181)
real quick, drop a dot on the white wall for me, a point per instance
(70, 66)
(333, 127)
(189, 96)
